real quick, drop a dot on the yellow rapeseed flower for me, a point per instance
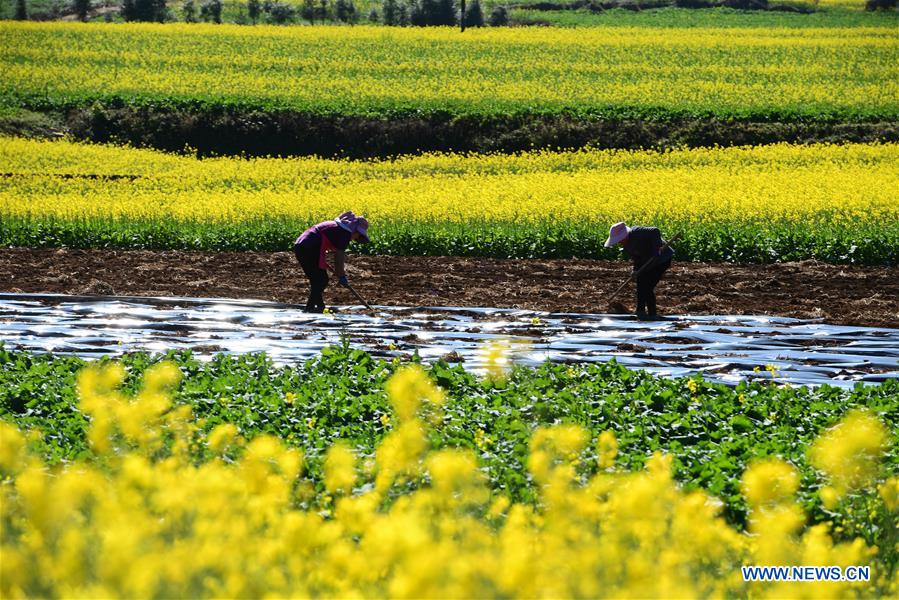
(340, 468)
(12, 449)
(830, 497)
(769, 482)
(140, 521)
(607, 449)
(889, 492)
(222, 436)
(408, 387)
(808, 185)
(364, 69)
(849, 453)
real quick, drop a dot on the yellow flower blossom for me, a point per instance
(481, 440)
(770, 482)
(607, 449)
(12, 449)
(830, 498)
(889, 492)
(340, 468)
(807, 185)
(408, 387)
(849, 453)
(139, 521)
(455, 477)
(365, 68)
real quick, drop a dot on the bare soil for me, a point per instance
(835, 293)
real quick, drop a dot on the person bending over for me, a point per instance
(643, 245)
(311, 248)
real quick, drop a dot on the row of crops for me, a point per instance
(827, 13)
(820, 73)
(347, 475)
(760, 204)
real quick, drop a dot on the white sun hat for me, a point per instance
(617, 232)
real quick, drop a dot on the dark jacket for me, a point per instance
(643, 243)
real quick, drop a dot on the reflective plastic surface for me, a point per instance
(723, 348)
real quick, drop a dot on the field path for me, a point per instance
(835, 293)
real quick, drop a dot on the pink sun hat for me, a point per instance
(617, 232)
(354, 224)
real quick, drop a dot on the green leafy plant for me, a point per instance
(712, 431)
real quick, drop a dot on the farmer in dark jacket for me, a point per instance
(311, 246)
(643, 245)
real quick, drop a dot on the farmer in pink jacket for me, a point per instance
(311, 246)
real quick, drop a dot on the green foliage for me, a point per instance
(713, 431)
(474, 16)
(82, 9)
(425, 13)
(144, 10)
(345, 11)
(254, 9)
(211, 11)
(883, 5)
(846, 242)
(499, 17)
(307, 11)
(395, 13)
(281, 13)
(708, 17)
(189, 11)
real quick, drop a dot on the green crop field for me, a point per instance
(820, 73)
(710, 17)
(765, 204)
(714, 431)
(757, 136)
(311, 466)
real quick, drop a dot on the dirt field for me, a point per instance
(838, 294)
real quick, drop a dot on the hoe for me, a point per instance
(355, 293)
(359, 298)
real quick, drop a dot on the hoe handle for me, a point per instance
(355, 293)
(358, 297)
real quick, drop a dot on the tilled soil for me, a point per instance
(835, 293)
